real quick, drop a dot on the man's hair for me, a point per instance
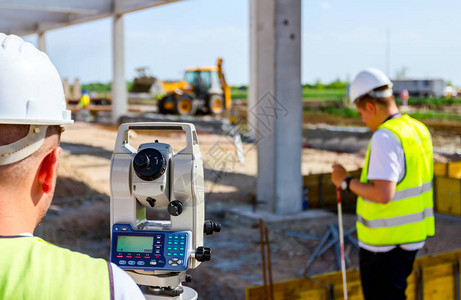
(383, 102)
(16, 172)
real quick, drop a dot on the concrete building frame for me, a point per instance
(275, 103)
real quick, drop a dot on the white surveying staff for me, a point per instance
(341, 241)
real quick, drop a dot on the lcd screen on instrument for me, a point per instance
(138, 244)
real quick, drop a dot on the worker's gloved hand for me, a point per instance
(339, 174)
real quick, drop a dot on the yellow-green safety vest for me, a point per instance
(34, 269)
(409, 216)
(84, 101)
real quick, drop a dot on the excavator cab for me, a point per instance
(204, 90)
(203, 81)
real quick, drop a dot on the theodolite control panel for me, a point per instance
(149, 250)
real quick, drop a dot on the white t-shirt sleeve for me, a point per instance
(124, 286)
(387, 159)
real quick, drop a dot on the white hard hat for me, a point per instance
(31, 93)
(366, 81)
(31, 90)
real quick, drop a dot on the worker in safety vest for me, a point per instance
(84, 100)
(83, 105)
(32, 111)
(394, 206)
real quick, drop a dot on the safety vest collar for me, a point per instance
(397, 221)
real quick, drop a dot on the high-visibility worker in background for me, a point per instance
(84, 100)
(83, 103)
(394, 206)
(404, 95)
(32, 111)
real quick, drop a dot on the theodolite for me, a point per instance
(157, 253)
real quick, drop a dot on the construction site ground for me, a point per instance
(79, 216)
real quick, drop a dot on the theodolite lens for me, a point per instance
(149, 164)
(141, 161)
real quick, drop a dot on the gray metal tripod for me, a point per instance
(330, 239)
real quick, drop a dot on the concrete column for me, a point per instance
(288, 132)
(42, 41)
(262, 82)
(252, 87)
(275, 73)
(119, 92)
(66, 87)
(76, 89)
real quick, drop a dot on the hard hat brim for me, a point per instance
(34, 122)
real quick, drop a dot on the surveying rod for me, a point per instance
(155, 179)
(341, 241)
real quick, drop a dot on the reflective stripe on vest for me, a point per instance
(397, 221)
(34, 269)
(409, 216)
(411, 192)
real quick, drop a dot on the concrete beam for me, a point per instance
(18, 17)
(275, 105)
(31, 16)
(60, 6)
(119, 92)
(49, 9)
(125, 6)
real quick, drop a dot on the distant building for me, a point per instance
(420, 87)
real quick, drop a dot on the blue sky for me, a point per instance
(339, 38)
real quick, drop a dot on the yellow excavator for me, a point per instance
(203, 91)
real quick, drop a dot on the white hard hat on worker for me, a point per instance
(366, 82)
(31, 93)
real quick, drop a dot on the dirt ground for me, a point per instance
(79, 216)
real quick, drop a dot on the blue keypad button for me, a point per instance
(169, 254)
(140, 263)
(131, 262)
(122, 262)
(183, 237)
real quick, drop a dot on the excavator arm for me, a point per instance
(225, 87)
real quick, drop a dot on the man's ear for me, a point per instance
(370, 106)
(48, 170)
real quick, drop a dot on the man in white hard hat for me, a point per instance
(32, 110)
(394, 206)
